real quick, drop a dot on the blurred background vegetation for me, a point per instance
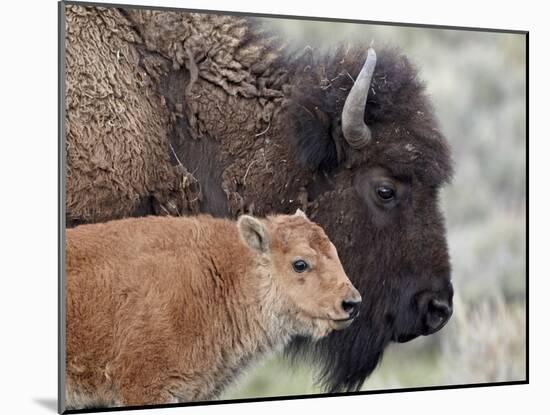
(477, 83)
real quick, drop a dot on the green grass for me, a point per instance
(276, 377)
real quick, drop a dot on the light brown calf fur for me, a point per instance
(165, 309)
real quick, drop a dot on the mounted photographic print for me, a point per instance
(278, 207)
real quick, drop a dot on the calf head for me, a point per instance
(313, 292)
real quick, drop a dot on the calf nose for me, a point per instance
(351, 306)
(437, 313)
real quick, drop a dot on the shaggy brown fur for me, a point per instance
(164, 310)
(219, 85)
(116, 126)
(233, 75)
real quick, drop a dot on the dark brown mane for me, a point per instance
(406, 136)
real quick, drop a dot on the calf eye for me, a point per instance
(385, 193)
(299, 265)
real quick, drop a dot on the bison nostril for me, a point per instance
(437, 314)
(351, 307)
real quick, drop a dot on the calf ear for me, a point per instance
(253, 233)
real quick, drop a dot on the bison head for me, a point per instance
(364, 126)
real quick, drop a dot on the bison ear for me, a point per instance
(253, 233)
(300, 212)
(312, 133)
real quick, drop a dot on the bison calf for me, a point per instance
(165, 309)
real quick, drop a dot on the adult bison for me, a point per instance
(175, 112)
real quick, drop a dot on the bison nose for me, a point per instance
(351, 306)
(437, 313)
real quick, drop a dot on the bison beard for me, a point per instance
(260, 130)
(391, 279)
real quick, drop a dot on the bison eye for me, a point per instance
(385, 193)
(299, 265)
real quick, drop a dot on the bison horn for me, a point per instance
(355, 131)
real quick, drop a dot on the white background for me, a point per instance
(28, 208)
